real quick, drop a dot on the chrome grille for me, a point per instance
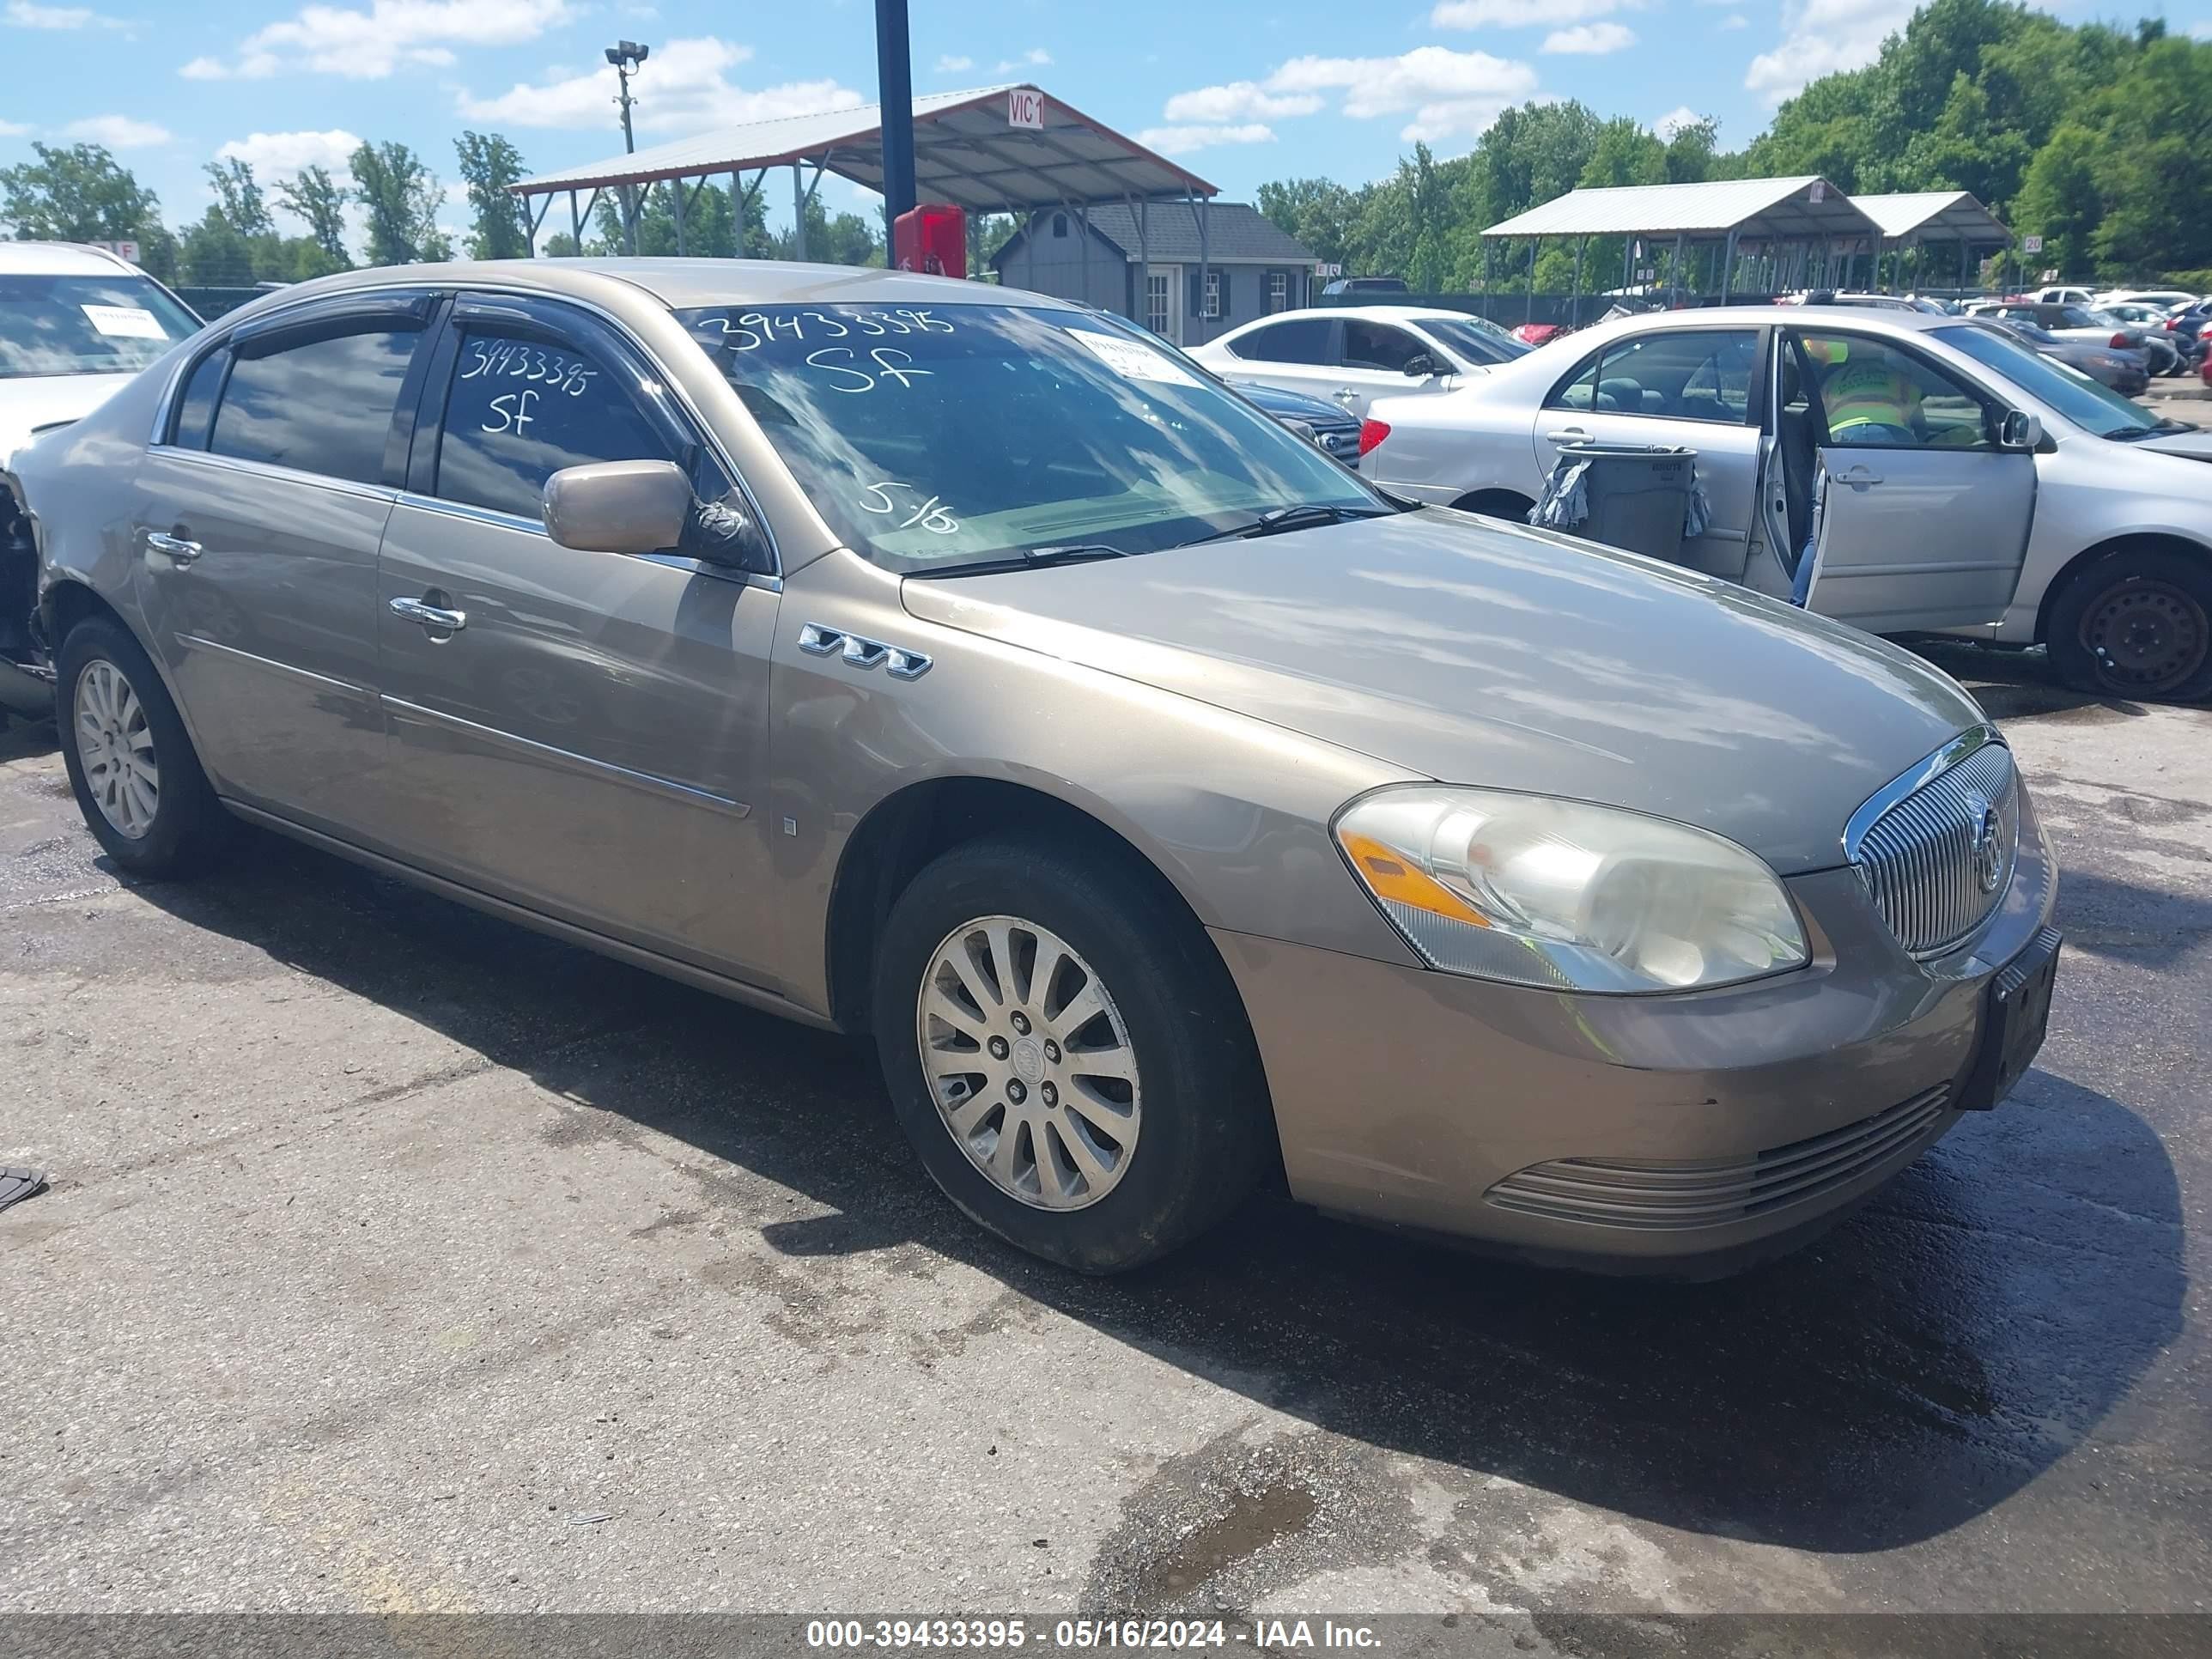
(1660, 1197)
(1936, 847)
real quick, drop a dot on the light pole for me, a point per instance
(895, 97)
(628, 56)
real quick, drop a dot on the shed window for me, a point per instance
(1060, 224)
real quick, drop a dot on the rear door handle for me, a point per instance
(430, 616)
(1567, 435)
(180, 551)
(1858, 478)
(1344, 394)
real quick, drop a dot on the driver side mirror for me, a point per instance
(1422, 364)
(2019, 430)
(646, 507)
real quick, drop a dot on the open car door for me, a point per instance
(1920, 522)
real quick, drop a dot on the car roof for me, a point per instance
(679, 283)
(1380, 312)
(60, 260)
(1759, 316)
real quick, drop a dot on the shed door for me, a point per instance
(1163, 301)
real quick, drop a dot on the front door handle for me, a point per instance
(180, 551)
(1567, 435)
(1858, 478)
(430, 616)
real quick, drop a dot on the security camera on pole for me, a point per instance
(627, 56)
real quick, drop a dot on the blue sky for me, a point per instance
(1239, 93)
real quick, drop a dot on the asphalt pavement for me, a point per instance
(397, 1258)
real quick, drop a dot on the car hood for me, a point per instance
(1475, 652)
(2196, 444)
(41, 400)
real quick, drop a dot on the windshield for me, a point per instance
(1477, 343)
(86, 324)
(2075, 395)
(931, 438)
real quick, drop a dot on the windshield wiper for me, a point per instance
(1300, 515)
(2166, 427)
(1029, 558)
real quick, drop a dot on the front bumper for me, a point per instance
(1683, 1133)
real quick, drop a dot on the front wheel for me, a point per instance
(1067, 1053)
(2136, 624)
(132, 769)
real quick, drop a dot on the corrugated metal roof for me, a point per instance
(1806, 206)
(1949, 212)
(1236, 232)
(966, 152)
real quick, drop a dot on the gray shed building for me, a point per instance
(1145, 262)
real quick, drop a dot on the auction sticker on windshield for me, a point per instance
(130, 322)
(1132, 360)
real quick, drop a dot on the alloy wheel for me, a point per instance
(2146, 636)
(115, 745)
(1028, 1062)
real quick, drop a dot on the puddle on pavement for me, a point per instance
(1252, 1522)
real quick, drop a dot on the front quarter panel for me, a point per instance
(1232, 811)
(2091, 491)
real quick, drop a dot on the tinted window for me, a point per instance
(2076, 397)
(931, 438)
(196, 408)
(86, 324)
(1873, 395)
(520, 411)
(1305, 340)
(323, 407)
(1477, 342)
(1371, 345)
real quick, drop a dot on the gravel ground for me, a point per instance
(396, 1259)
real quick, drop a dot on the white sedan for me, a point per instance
(1352, 354)
(2022, 503)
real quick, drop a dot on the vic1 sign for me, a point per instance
(1025, 108)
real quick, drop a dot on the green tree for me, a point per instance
(215, 254)
(239, 198)
(402, 197)
(77, 195)
(561, 246)
(2061, 199)
(1319, 212)
(320, 200)
(708, 223)
(488, 165)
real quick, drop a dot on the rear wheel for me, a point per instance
(131, 766)
(2136, 623)
(1066, 1053)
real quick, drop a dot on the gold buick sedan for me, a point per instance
(1177, 812)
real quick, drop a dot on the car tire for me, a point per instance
(2136, 623)
(1199, 1130)
(131, 764)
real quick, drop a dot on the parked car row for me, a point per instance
(962, 668)
(1351, 354)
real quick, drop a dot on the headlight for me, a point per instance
(1567, 895)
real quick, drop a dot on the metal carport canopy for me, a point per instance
(1770, 208)
(1953, 215)
(967, 152)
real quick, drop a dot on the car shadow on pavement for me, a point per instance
(2015, 684)
(1938, 1350)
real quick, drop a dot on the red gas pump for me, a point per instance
(932, 238)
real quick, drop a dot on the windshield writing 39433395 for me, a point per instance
(935, 437)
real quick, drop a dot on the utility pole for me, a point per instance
(628, 56)
(895, 96)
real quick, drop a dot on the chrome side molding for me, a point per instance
(861, 652)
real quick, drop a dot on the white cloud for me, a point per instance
(1449, 93)
(1589, 39)
(13, 130)
(1239, 100)
(1674, 121)
(278, 155)
(1820, 37)
(118, 132)
(1735, 20)
(1182, 141)
(1035, 58)
(684, 86)
(28, 15)
(952, 64)
(2201, 31)
(368, 44)
(1518, 13)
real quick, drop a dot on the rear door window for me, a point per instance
(520, 409)
(1304, 341)
(1377, 345)
(324, 406)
